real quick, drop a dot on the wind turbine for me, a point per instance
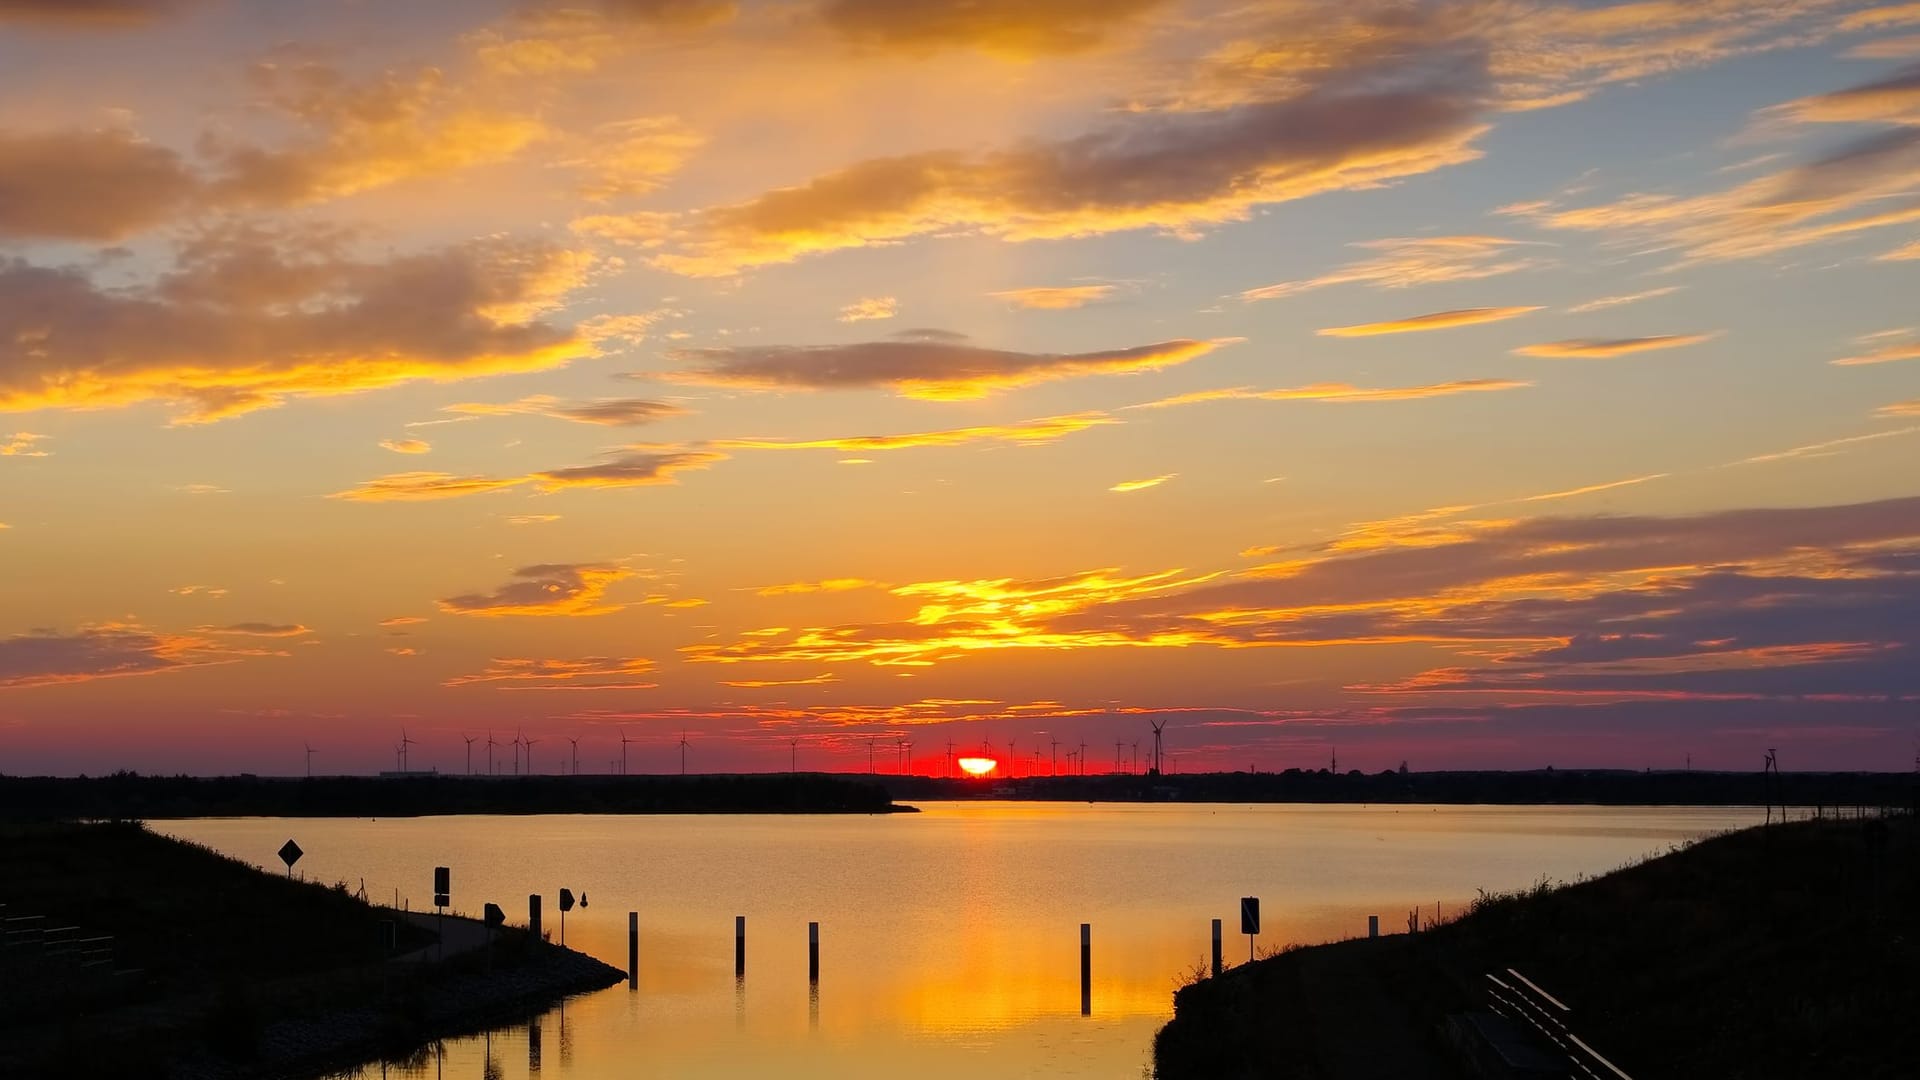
(1083, 757)
(575, 740)
(683, 753)
(906, 747)
(529, 743)
(623, 751)
(1056, 757)
(309, 747)
(1119, 756)
(793, 763)
(469, 739)
(404, 743)
(870, 742)
(949, 773)
(1013, 757)
(490, 745)
(1159, 756)
(518, 737)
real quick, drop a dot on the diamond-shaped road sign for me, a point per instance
(290, 853)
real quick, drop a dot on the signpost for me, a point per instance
(1250, 921)
(290, 853)
(493, 917)
(442, 888)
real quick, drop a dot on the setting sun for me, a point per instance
(978, 766)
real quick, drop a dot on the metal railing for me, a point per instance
(1523, 1002)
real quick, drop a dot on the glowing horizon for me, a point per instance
(867, 374)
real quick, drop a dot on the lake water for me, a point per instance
(950, 938)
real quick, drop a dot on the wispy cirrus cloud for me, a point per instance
(608, 412)
(1591, 489)
(641, 465)
(22, 444)
(1405, 262)
(1055, 297)
(828, 585)
(1859, 187)
(1830, 447)
(934, 370)
(1886, 349)
(1900, 408)
(585, 673)
(761, 684)
(1605, 302)
(1028, 433)
(548, 589)
(1438, 320)
(1338, 392)
(406, 446)
(1125, 486)
(1607, 348)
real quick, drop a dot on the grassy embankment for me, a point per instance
(1785, 951)
(228, 971)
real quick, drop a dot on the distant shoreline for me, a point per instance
(131, 796)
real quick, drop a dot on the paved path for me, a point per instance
(457, 933)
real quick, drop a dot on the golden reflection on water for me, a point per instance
(950, 938)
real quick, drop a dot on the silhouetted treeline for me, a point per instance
(130, 795)
(1589, 786)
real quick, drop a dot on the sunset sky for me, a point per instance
(1499, 383)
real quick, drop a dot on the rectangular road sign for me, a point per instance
(442, 879)
(1249, 914)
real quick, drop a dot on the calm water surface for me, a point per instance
(949, 938)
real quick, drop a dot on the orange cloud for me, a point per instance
(632, 157)
(406, 446)
(87, 185)
(258, 629)
(424, 486)
(1895, 99)
(544, 590)
(1900, 408)
(532, 519)
(1055, 297)
(1439, 320)
(1141, 485)
(1902, 253)
(1405, 262)
(402, 620)
(1029, 433)
(1601, 349)
(104, 651)
(608, 412)
(635, 467)
(1338, 392)
(932, 370)
(1908, 349)
(361, 136)
(246, 321)
(1012, 27)
(527, 674)
(869, 308)
(88, 14)
(1177, 173)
